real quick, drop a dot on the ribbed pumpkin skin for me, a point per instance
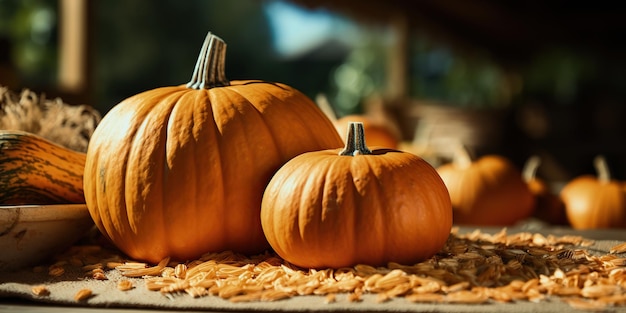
(490, 191)
(323, 210)
(594, 204)
(178, 172)
(34, 170)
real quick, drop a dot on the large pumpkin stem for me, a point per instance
(210, 68)
(355, 141)
(604, 175)
(530, 168)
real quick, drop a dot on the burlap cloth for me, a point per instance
(17, 285)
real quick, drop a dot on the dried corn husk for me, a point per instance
(68, 125)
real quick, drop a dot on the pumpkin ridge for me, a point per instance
(292, 113)
(350, 231)
(96, 162)
(217, 170)
(315, 222)
(245, 94)
(150, 127)
(242, 110)
(181, 139)
(276, 131)
(375, 197)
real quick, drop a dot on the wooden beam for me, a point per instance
(73, 76)
(398, 59)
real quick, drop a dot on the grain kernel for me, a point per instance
(56, 271)
(82, 294)
(40, 290)
(124, 285)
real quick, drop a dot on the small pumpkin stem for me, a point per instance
(210, 68)
(462, 158)
(355, 141)
(530, 168)
(604, 175)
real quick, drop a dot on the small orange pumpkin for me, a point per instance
(489, 191)
(338, 208)
(180, 171)
(377, 133)
(548, 205)
(593, 202)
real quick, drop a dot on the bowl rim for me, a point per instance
(46, 212)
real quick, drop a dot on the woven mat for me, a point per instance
(19, 284)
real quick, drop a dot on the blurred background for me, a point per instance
(517, 78)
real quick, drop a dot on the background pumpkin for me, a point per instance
(180, 171)
(548, 205)
(337, 208)
(595, 201)
(377, 125)
(486, 191)
(378, 134)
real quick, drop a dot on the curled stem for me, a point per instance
(530, 168)
(602, 168)
(461, 158)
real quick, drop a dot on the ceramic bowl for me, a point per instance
(30, 234)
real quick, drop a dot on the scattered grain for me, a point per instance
(141, 269)
(330, 298)
(619, 248)
(125, 285)
(472, 268)
(40, 291)
(99, 276)
(56, 271)
(180, 270)
(83, 295)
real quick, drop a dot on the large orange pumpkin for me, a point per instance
(489, 191)
(337, 208)
(593, 202)
(180, 171)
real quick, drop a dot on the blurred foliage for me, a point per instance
(438, 74)
(31, 28)
(560, 73)
(361, 75)
(144, 44)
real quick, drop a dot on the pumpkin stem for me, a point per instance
(461, 157)
(604, 175)
(530, 168)
(210, 68)
(355, 141)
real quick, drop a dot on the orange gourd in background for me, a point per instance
(593, 202)
(548, 205)
(337, 208)
(377, 133)
(489, 191)
(378, 128)
(180, 171)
